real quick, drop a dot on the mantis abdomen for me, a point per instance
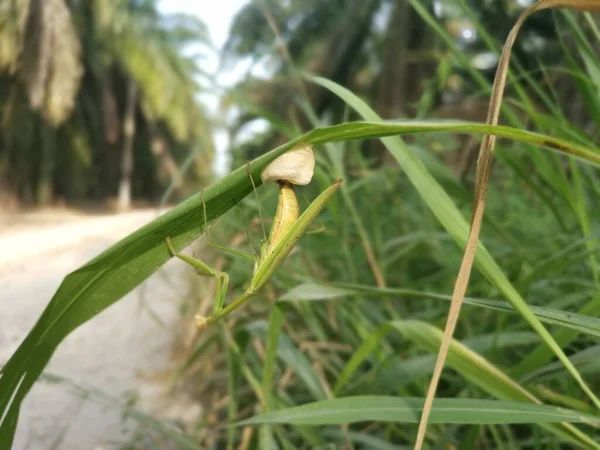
(285, 216)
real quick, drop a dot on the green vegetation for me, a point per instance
(338, 348)
(97, 101)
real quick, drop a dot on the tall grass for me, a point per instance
(539, 228)
(349, 326)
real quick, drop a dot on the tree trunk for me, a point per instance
(127, 155)
(45, 187)
(167, 166)
(111, 132)
(392, 95)
(110, 109)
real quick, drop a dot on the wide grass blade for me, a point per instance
(408, 410)
(318, 292)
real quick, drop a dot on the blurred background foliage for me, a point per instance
(98, 100)
(383, 50)
(124, 116)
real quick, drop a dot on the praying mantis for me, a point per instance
(286, 230)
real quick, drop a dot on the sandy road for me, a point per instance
(106, 353)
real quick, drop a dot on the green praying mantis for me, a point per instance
(286, 230)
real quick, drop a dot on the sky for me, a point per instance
(217, 16)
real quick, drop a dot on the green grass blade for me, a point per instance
(319, 292)
(293, 358)
(587, 360)
(273, 332)
(407, 410)
(482, 373)
(266, 439)
(362, 352)
(365, 440)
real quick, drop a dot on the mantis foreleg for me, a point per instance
(222, 279)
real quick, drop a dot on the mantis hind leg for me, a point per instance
(222, 279)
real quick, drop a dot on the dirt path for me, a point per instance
(105, 353)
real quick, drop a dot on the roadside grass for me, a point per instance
(357, 359)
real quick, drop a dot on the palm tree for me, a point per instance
(67, 67)
(144, 45)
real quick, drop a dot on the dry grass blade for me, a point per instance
(484, 164)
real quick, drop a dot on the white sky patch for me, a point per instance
(217, 16)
